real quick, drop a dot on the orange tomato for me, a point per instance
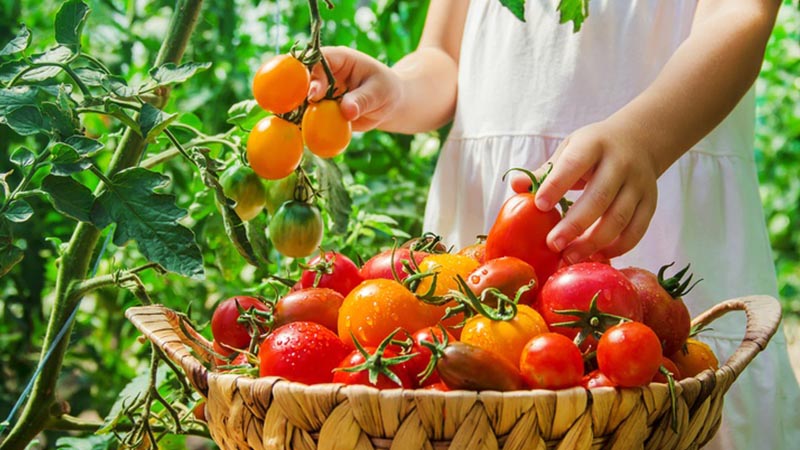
(274, 148)
(448, 267)
(504, 337)
(281, 84)
(694, 358)
(326, 132)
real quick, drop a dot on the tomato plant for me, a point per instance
(227, 327)
(332, 270)
(326, 132)
(629, 354)
(320, 305)
(551, 361)
(281, 84)
(507, 274)
(244, 187)
(296, 229)
(305, 352)
(274, 148)
(504, 337)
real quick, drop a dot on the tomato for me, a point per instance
(694, 357)
(504, 337)
(438, 386)
(376, 308)
(243, 186)
(199, 411)
(356, 358)
(667, 316)
(465, 366)
(326, 132)
(521, 230)
(279, 191)
(428, 242)
(419, 363)
(448, 267)
(274, 148)
(305, 352)
(335, 271)
(475, 251)
(296, 229)
(671, 367)
(225, 354)
(320, 305)
(380, 265)
(507, 274)
(551, 361)
(225, 325)
(281, 84)
(596, 379)
(629, 354)
(573, 287)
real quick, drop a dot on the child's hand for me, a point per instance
(618, 177)
(372, 89)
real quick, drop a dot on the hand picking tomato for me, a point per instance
(694, 357)
(296, 229)
(507, 274)
(374, 368)
(281, 84)
(551, 361)
(506, 338)
(320, 305)
(225, 324)
(629, 354)
(380, 265)
(332, 270)
(326, 132)
(243, 186)
(274, 148)
(305, 352)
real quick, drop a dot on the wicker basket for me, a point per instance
(272, 413)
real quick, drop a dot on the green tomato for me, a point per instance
(280, 191)
(296, 229)
(244, 187)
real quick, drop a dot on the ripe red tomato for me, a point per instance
(305, 352)
(418, 364)
(380, 265)
(596, 379)
(671, 367)
(274, 148)
(332, 270)
(356, 358)
(296, 229)
(225, 325)
(521, 230)
(326, 132)
(507, 274)
(320, 305)
(281, 84)
(551, 361)
(629, 354)
(573, 287)
(667, 316)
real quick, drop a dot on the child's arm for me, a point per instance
(619, 159)
(416, 94)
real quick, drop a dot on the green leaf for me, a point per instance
(10, 256)
(60, 120)
(90, 76)
(27, 121)
(131, 396)
(85, 146)
(149, 218)
(69, 197)
(69, 22)
(18, 211)
(16, 97)
(67, 160)
(89, 442)
(11, 69)
(170, 74)
(338, 200)
(245, 114)
(517, 7)
(575, 11)
(153, 121)
(19, 43)
(56, 55)
(23, 157)
(121, 115)
(4, 182)
(118, 86)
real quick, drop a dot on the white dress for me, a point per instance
(523, 87)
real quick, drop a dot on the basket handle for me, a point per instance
(763, 318)
(172, 333)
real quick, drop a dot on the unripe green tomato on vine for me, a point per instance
(279, 191)
(296, 229)
(242, 185)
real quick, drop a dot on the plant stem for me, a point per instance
(71, 423)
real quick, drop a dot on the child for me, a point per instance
(651, 98)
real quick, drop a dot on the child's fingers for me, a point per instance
(569, 167)
(635, 230)
(341, 62)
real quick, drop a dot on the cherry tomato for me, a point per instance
(448, 267)
(671, 367)
(629, 354)
(521, 230)
(475, 251)
(355, 358)
(551, 361)
(243, 186)
(332, 270)
(274, 148)
(281, 84)
(296, 229)
(507, 274)
(418, 364)
(596, 379)
(320, 305)
(438, 386)
(305, 352)
(380, 265)
(467, 367)
(326, 132)
(506, 338)
(225, 325)
(694, 357)
(279, 191)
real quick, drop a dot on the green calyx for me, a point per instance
(377, 364)
(592, 322)
(675, 285)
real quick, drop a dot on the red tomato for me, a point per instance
(596, 379)
(551, 361)
(305, 352)
(356, 358)
(418, 364)
(225, 325)
(671, 367)
(380, 265)
(629, 354)
(507, 274)
(320, 305)
(667, 316)
(573, 287)
(521, 230)
(475, 251)
(438, 386)
(335, 271)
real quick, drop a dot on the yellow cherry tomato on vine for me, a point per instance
(504, 337)
(274, 148)
(326, 132)
(281, 84)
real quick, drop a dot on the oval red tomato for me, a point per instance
(506, 274)
(320, 305)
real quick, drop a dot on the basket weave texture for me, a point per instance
(272, 413)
